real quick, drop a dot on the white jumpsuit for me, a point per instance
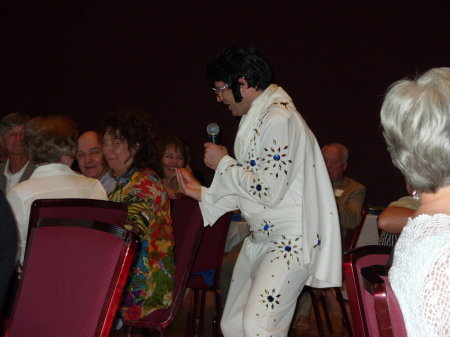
(280, 183)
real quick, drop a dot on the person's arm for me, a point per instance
(350, 210)
(21, 215)
(8, 245)
(211, 211)
(270, 166)
(393, 219)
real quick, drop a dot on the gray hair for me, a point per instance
(415, 117)
(342, 148)
(13, 119)
(50, 137)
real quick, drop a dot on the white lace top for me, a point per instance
(420, 275)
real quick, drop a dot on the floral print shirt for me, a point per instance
(151, 279)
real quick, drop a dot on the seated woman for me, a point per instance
(174, 154)
(129, 149)
(416, 121)
(51, 143)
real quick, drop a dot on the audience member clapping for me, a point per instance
(416, 126)
(129, 148)
(51, 145)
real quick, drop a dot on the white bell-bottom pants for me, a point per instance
(267, 279)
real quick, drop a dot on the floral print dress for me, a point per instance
(151, 279)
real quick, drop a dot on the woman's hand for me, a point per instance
(190, 186)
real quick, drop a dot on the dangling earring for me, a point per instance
(416, 195)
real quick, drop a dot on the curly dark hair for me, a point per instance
(136, 128)
(240, 61)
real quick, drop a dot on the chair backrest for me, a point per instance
(354, 261)
(73, 277)
(380, 303)
(187, 224)
(351, 240)
(114, 213)
(211, 251)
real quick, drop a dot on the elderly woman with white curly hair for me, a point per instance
(416, 125)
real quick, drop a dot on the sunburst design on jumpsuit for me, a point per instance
(276, 158)
(251, 163)
(270, 299)
(319, 241)
(231, 166)
(258, 188)
(289, 250)
(266, 227)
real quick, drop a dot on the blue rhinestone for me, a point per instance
(287, 248)
(266, 227)
(319, 242)
(258, 187)
(252, 162)
(270, 298)
(276, 157)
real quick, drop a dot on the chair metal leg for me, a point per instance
(345, 318)
(325, 311)
(218, 315)
(196, 312)
(317, 315)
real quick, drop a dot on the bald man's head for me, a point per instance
(90, 155)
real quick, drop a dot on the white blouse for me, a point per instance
(420, 275)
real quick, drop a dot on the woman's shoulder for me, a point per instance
(146, 174)
(147, 178)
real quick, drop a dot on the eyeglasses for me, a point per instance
(219, 90)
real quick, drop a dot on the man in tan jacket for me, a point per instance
(349, 194)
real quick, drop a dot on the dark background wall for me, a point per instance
(335, 59)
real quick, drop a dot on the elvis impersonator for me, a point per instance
(280, 183)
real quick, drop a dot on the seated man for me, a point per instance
(17, 167)
(349, 194)
(91, 160)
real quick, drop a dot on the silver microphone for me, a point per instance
(213, 132)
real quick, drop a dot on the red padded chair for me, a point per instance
(380, 303)
(351, 239)
(187, 223)
(205, 274)
(354, 261)
(74, 271)
(114, 213)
